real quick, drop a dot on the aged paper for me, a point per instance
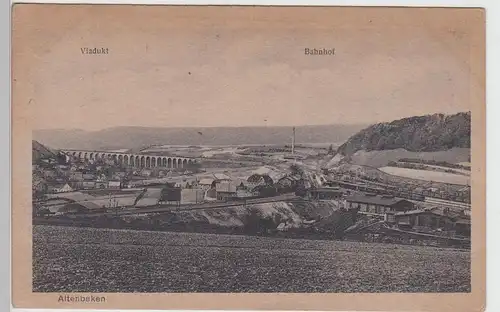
(234, 157)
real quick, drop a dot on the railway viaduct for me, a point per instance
(134, 160)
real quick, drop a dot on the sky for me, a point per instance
(237, 68)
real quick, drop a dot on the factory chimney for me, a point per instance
(293, 140)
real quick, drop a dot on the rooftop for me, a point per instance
(221, 176)
(226, 187)
(374, 199)
(206, 181)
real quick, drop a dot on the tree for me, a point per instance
(61, 158)
(295, 169)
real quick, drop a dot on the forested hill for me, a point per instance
(417, 134)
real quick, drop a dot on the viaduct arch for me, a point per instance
(134, 160)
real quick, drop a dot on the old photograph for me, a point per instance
(236, 153)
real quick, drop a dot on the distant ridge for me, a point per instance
(136, 137)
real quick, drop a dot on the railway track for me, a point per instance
(206, 206)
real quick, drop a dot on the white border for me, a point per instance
(493, 117)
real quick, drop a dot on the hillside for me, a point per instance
(40, 151)
(429, 133)
(132, 137)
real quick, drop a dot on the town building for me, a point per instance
(171, 194)
(114, 184)
(60, 188)
(428, 219)
(325, 193)
(265, 191)
(205, 183)
(87, 185)
(192, 196)
(377, 204)
(435, 219)
(225, 190)
(101, 184)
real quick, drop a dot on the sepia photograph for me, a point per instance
(244, 150)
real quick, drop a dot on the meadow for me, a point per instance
(67, 259)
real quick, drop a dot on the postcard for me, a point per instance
(248, 157)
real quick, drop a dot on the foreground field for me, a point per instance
(427, 175)
(95, 260)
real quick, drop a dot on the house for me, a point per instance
(376, 204)
(225, 190)
(114, 184)
(61, 188)
(424, 218)
(206, 183)
(171, 194)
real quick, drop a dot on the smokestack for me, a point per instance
(293, 140)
